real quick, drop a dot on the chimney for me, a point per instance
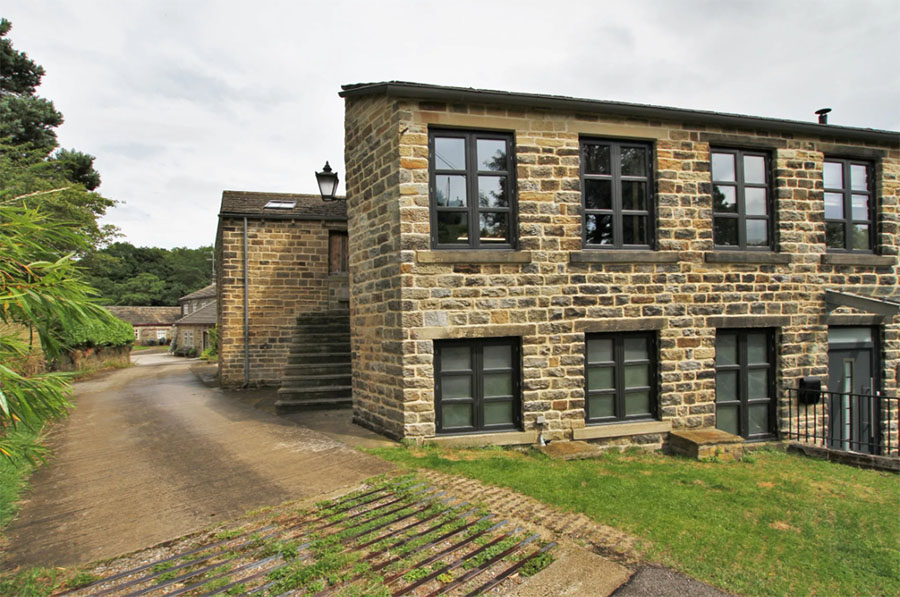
(823, 115)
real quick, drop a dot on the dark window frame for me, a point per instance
(847, 194)
(740, 185)
(473, 210)
(616, 178)
(619, 363)
(743, 368)
(476, 374)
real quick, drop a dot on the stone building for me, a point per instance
(152, 325)
(282, 288)
(197, 299)
(525, 264)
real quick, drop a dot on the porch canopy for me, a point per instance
(879, 306)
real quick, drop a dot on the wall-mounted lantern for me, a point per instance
(328, 183)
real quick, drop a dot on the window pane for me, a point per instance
(755, 201)
(497, 357)
(861, 236)
(450, 190)
(598, 229)
(600, 350)
(494, 227)
(601, 406)
(597, 194)
(726, 349)
(724, 199)
(834, 235)
(491, 154)
(497, 384)
(455, 358)
(758, 383)
(600, 378)
(725, 231)
(727, 419)
(754, 169)
(634, 230)
(634, 195)
(834, 206)
(596, 159)
(759, 419)
(453, 227)
(637, 376)
(456, 386)
(757, 349)
(726, 386)
(636, 349)
(634, 161)
(449, 154)
(498, 413)
(839, 335)
(456, 415)
(859, 180)
(637, 403)
(492, 191)
(834, 175)
(757, 233)
(860, 207)
(723, 166)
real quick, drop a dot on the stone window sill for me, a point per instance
(508, 438)
(755, 257)
(621, 430)
(473, 257)
(622, 256)
(861, 259)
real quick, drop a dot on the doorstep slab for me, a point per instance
(706, 443)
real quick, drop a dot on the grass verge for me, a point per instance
(774, 524)
(14, 477)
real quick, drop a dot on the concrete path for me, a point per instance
(150, 454)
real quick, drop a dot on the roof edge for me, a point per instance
(424, 91)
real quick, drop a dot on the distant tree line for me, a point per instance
(146, 276)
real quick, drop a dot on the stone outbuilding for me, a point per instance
(192, 332)
(152, 325)
(528, 264)
(197, 299)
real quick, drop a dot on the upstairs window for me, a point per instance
(472, 190)
(849, 205)
(616, 194)
(741, 199)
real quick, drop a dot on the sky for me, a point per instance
(182, 99)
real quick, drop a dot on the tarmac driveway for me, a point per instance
(150, 453)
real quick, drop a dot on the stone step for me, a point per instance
(706, 443)
(287, 405)
(337, 393)
(294, 382)
(321, 339)
(319, 347)
(336, 367)
(315, 358)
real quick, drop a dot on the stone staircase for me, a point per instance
(318, 371)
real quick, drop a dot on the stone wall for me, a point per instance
(550, 292)
(288, 275)
(79, 359)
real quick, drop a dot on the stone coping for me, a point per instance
(473, 256)
(469, 440)
(623, 256)
(860, 259)
(752, 257)
(475, 331)
(621, 430)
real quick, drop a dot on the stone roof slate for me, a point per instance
(205, 292)
(146, 315)
(205, 315)
(253, 204)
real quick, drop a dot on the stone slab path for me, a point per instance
(150, 454)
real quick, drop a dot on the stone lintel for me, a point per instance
(620, 324)
(853, 319)
(623, 256)
(508, 438)
(621, 430)
(743, 141)
(754, 257)
(749, 321)
(473, 257)
(475, 331)
(860, 259)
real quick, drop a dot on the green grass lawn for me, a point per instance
(774, 524)
(13, 478)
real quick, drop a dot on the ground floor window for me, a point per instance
(745, 382)
(620, 377)
(160, 334)
(477, 385)
(188, 338)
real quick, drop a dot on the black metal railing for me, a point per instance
(846, 422)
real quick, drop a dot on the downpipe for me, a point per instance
(246, 313)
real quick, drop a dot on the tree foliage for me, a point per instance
(147, 276)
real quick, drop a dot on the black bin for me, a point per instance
(810, 390)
